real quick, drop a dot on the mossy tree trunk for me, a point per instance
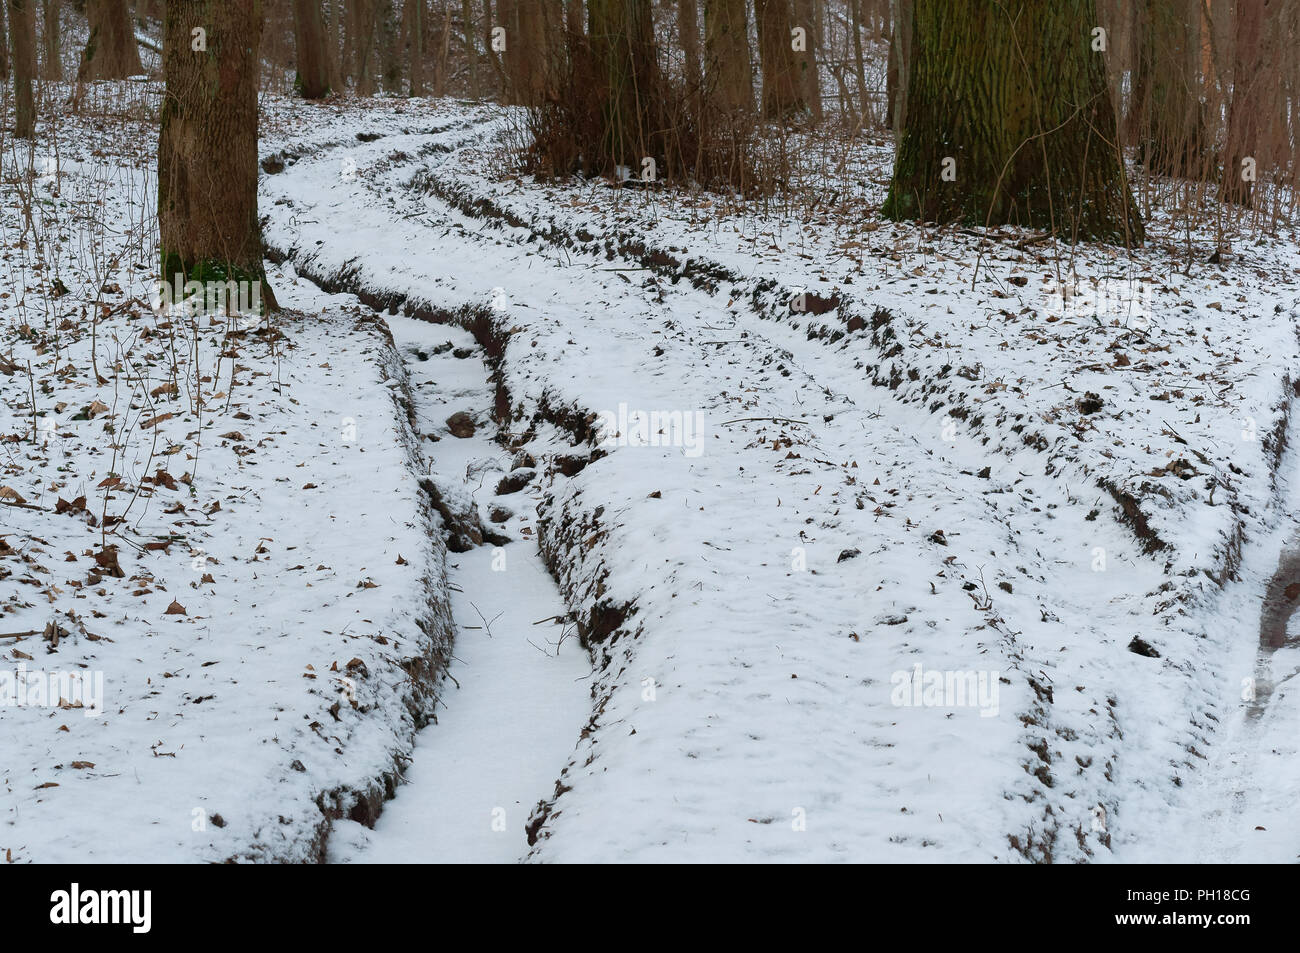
(207, 147)
(782, 93)
(726, 47)
(22, 31)
(111, 51)
(1009, 121)
(309, 39)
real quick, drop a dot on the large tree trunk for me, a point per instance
(22, 30)
(981, 147)
(52, 68)
(1171, 130)
(207, 147)
(111, 51)
(726, 47)
(623, 56)
(781, 94)
(1247, 107)
(309, 37)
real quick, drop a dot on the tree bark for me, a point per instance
(111, 51)
(1009, 121)
(390, 60)
(52, 68)
(4, 45)
(900, 60)
(471, 45)
(1247, 108)
(688, 34)
(808, 15)
(207, 146)
(623, 56)
(22, 31)
(415, 39)
(309, 38)
(781, 85)
(361, 33)
(1171, 130)
(726, 48)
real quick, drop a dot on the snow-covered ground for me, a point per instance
(968, 477)
(779, 534)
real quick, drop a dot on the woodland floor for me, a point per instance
(696, 648)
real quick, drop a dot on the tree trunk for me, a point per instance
(623, 56)
(1171, 130)
(781, 85)
(527, 52)
(22, 31)
(207, 147)
(361, 32)
(333, 34)
(390, 60)
(415, 39)
(808, 15)
(857, 26)
(309, 38)
(688, 35)
(4, 45)
(111, 51)
(1246, 108)
(471, 45)
(52, 68)
(900, 61)
(726, 48)
(980, 147)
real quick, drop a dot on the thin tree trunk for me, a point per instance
(900, 58)
(52, 69)
(415, 39)
(207, 146)
(333, 33)
(390, 60)
(111, 51)
(4, 45)
(309, 37)
(688, 34)
(22, 31)
(471, 45)
(855, 13)
(726, 47)
(1009, 121)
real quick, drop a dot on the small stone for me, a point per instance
(461, 424)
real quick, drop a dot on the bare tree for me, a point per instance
(52, 68)
(781, 83)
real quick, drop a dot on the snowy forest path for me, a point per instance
(840, 532)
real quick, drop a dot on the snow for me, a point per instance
(711, 625)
